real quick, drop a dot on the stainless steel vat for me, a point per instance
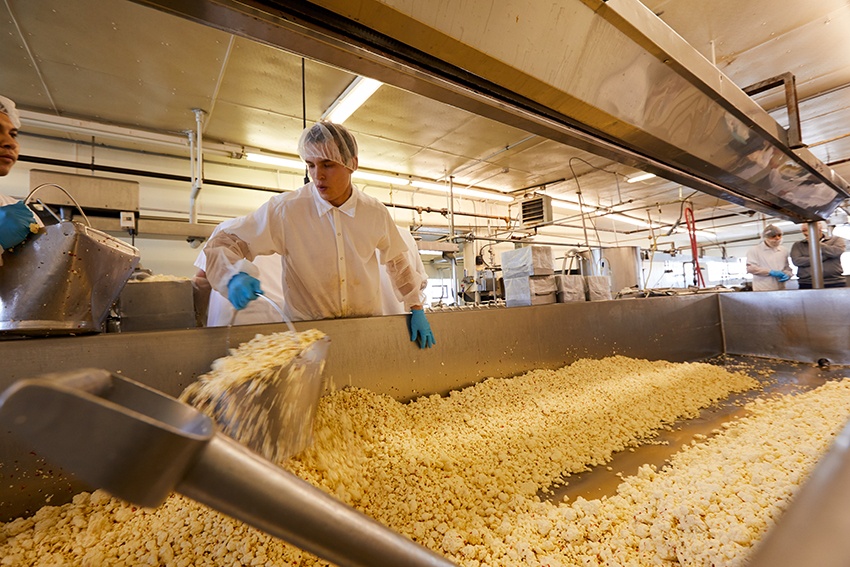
(802, 326)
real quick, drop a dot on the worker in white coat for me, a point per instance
(15, 217)
(767, 261)
(219, 312)
(331, 237)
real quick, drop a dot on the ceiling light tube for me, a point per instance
(483, 195)
(640, 177)
(625, 219)
(444, 188)
(295, 164)
(703, 233)
(358, 92)
(388, 179)
(569, 205)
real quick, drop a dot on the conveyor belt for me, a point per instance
(777, 377)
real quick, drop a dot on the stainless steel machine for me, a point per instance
(806, 326)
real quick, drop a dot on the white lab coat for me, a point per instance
(330, 255)
(761, 258)
(221, 312)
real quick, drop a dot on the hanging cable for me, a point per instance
(692, 234)
(304, 109)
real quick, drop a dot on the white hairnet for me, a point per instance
(772, 230)
(7, 107)
(326, 140)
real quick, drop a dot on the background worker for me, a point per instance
(15, 217)
(831, 249)
(767, 261)
(216, 310)
(331, 238)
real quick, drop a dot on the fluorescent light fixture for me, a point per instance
(624, 218)
(432, 186)
(570, 206)
(703, 233)
(483, 195)
(389, 179)
(444, 188)
(640, 177)
(351, 99)
(295, 164)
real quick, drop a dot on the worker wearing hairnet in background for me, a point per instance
(15, 217)
(331, 237)
(767, 261)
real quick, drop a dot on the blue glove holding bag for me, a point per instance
(15, 220)
(243, 289)
(420, 329)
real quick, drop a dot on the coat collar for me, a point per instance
(347, 208)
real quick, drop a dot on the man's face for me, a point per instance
(773, 241)
(332, 179)
(8, 145)
(818, 232)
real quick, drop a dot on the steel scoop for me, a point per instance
(273, 411)
(140, 445)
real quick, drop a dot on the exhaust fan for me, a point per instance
(536, 210)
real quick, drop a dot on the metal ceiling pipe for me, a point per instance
(816, 260)
(197, 168)
(452, 231)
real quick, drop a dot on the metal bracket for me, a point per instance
(795, 139)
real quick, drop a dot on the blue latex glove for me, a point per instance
(420, 330)
(243, 289)
(15, 222)
(781, 276)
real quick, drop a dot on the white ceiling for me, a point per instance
(117, 62)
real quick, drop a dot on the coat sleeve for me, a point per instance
(800, 254)
(407, 281)
(832, 247)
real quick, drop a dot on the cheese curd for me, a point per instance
(259, 399)
(464, 475)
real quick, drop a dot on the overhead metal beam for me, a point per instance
(609, 78)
